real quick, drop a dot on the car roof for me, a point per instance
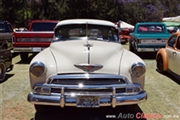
(84, 21)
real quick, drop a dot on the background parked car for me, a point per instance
(124, 35)
(148, 37)
(5, 63)
(168, 58)
(6, 31)
(37, 38)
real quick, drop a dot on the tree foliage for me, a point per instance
(21, 12)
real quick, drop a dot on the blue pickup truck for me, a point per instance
(148, 37)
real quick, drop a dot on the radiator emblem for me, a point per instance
(89, 67)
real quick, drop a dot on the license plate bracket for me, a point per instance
(36, 49)
(87, 101)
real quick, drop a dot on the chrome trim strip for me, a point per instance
(25, 49)
(147, 49)
(62, 98)
(35, 39)
(114, 97)
(88, 47)
(88, 86)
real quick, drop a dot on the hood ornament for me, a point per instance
(88, 67)
(88, 45)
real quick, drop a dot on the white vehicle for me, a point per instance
(80, 69)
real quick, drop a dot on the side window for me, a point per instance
(10, 29)
(112, 36)
(178, 43)
(172, 41)
(2, 27)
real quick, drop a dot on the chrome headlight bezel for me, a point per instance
(138, 69)
(37, 68)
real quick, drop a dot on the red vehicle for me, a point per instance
(124, 35)
(37, 38)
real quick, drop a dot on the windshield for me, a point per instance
(2, 27)
(43, 26)
(5, 27)
(84, 31)
(151, 29)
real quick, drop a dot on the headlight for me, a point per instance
(37, 69)
(138, 69)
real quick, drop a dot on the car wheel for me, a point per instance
(24, 56)
(2, 71)
(131, 48)
(123, 43)
(4, 47)
(160, 64)
(41, 108)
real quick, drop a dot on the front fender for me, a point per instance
(48, 60)
(128, 59)
(163, 53)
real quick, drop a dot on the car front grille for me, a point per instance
(93, 81)
(87, 79)
(92, 84)
(83, 91)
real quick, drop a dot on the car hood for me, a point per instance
(67, 54)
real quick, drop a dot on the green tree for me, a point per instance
(171, 7)
(13, 11)
(21, 12)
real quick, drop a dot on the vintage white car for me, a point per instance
(168, 58)
(86, 66)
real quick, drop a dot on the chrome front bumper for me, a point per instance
(65, 90)
(66, 98)
(105, 99)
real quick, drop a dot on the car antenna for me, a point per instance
(87, 29)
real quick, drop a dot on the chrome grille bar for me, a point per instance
(62, 98)
(87, 79)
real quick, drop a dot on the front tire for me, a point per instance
(160, 64)
(2, 71)
(41, 108)
(24, 56)
(131, 48)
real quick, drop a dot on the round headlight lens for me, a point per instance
(138, 69)
(37, 69)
